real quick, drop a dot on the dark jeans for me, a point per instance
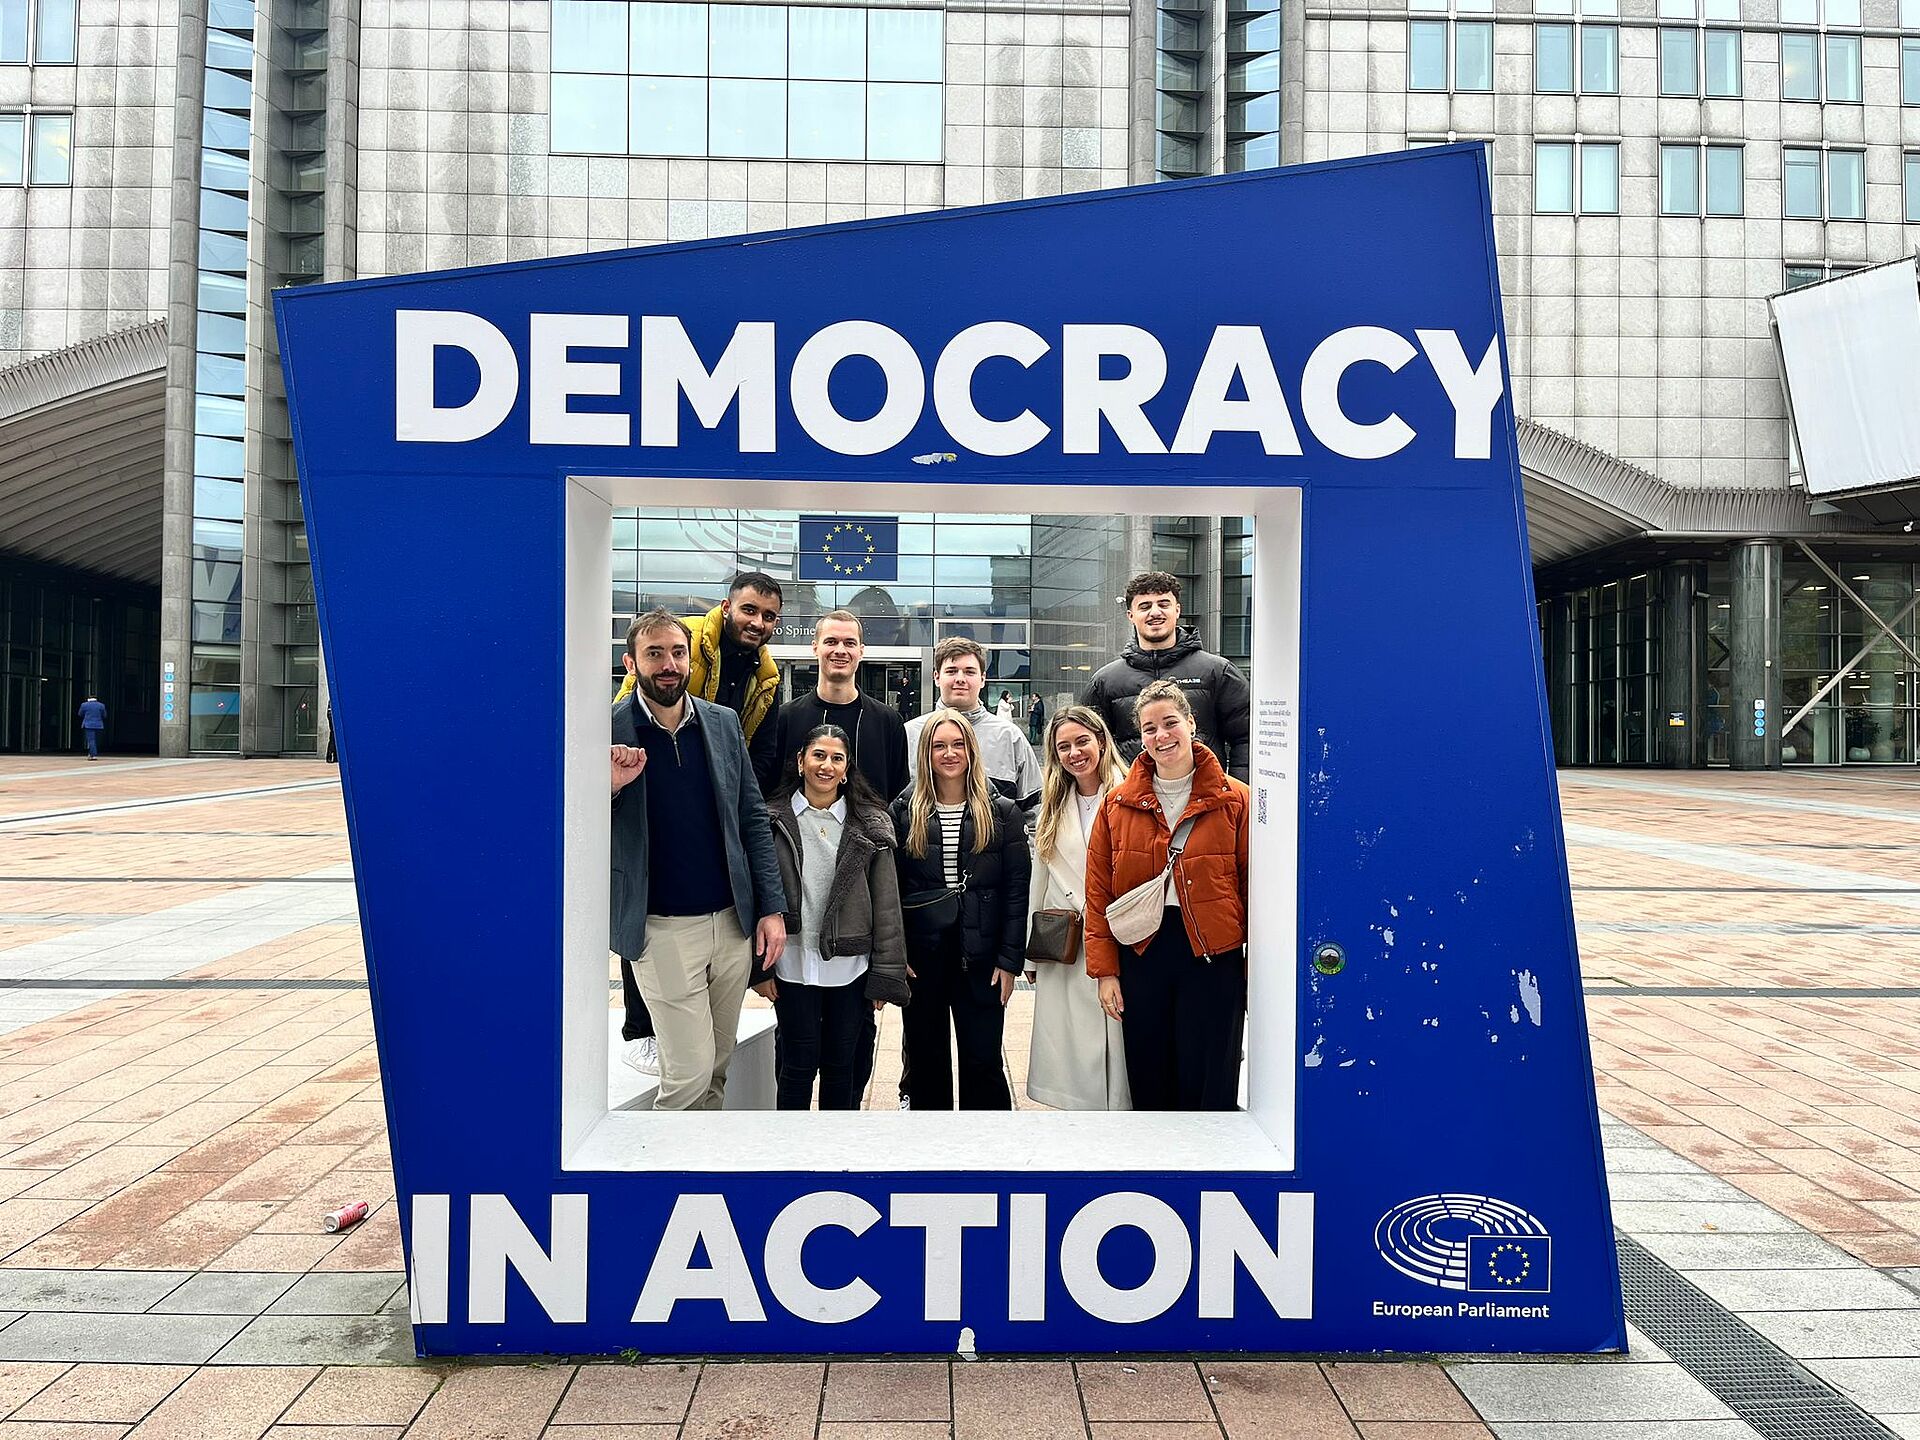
(93, 743)
(823, 1031)
(1184, 1016)
(639, 1024)
(943, 988)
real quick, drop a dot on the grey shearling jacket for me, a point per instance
(863, 905)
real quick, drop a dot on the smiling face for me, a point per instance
(1155, 618)
(838, 647)
(659, 662)
(949, 751)
(823, 767)
(751, 616)
(1166, 735)
(1078, 750)
(960, 681)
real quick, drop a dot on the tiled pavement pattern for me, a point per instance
(165, 1154)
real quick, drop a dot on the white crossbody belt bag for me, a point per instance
(1134, 918)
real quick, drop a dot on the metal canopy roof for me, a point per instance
(81, 446)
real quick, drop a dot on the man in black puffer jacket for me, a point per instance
(1164, 649)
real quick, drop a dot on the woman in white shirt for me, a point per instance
(1078, 1060)
(835, 842)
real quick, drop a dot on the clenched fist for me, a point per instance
(628, 762)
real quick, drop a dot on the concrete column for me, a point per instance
(1293, 81)
(1683, 647)
(1142, 91)
(1754, 636)
(1208, 601)
(1555, 638)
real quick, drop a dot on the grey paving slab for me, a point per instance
(1885, 1387)
(1908, 1278)
(1907, 1427)
(1618, 1135)
(1695, 1217)
(100, 1291)
(235, 1292)
(1749, 1252)
(1609, 1430)
(319, 1340)
(1670, 1186)
(1842, 1334)
(342, 1293)
(119, 1339)
(1753, 1291)
(1649, 1160)
(1614, 1394)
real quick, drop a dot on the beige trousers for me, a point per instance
(694, 976)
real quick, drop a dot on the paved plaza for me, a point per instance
(188, 1083)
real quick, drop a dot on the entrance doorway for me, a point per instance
(892, 675)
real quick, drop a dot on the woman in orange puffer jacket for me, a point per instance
(1185, 996)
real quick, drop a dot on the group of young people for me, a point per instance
(837, 860)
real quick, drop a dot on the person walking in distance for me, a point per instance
(876, 735)
(682, 911)
(93, 721)
(1164, 649)
(963, 880)
(835, 841)
(1037, 721)
(1005, 708)
(1078, 1058)
(730, 665)
(1177, 824)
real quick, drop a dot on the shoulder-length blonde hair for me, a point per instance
(1057, 787)
(920, 804)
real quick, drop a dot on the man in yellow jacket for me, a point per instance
(731, 666)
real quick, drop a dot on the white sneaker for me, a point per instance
(642, 1054)
(906, 1102)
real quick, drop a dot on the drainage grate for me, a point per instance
(1767, 1388)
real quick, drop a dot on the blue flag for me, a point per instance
(849, 547)
(1519, 1264)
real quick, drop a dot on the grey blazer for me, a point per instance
(753, 871)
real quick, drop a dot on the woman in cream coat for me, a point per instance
(1078, 1061)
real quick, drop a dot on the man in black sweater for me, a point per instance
(876, 735)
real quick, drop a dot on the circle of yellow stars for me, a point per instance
(1493, 1264)
(858, 532)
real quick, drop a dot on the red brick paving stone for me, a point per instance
(109, 1171)
(21, 1380)
(1142, 1390)
(772, 1401)
(29, 1430)
(334, 1432)
(1155, 1430)
(497, 1402)
(1398, 1391)
(628, 1395)
(890, 1390)
(1261, 1399)
(858, 1430)
(610, 1432)
(1808, 1204)
(1848, 1179)
(364, 1395)
(226, 1403)
(105, 1392)
(1016, 1400)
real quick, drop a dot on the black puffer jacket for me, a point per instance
(1218, 692)
(993, 908)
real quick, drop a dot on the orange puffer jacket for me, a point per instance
(1128, 847)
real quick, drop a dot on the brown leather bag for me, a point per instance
(1054, 937)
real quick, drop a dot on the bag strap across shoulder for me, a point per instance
(1177, 842)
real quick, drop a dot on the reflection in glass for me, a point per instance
(589, 35)
(827, 43)
(1600, 59)
(1553, 178)
(1599, 179)
(826, 120)
(1553, 59)
(903, 123)
(228, 92)
(218, 459)
(1846, 185)
(589, 114)
(748, 118)
(218, 415)
(1472, 56)
(1843, 68)
(1679, 180)
(217, 499)
(53, 41)
(221, 171)
(221, 334)
(1679, 62)
(669, 40)
(1799, 67)
(13, 149)
(1802, 171)
(219, 375)
(228, 132)
(1426, 55)
(52, 150)
(220, 211)
(223, 294)
(1723, 63)
(748, 40)
(13, 32)
(1726, 180)
(222, 252)
(229, 52)
(904, 45)
(1843, 12)
(669, 116)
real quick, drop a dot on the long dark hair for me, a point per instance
(855, 789)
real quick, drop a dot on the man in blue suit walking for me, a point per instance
(93, 720)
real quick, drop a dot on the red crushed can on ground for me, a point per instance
(347, 1216)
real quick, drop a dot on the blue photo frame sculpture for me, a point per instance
(1418, 1167)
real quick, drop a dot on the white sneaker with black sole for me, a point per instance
(642, 1055)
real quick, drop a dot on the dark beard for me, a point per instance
(664, 698)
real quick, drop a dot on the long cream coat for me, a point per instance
(1078, 1061)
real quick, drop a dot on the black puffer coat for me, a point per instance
(1214, 686)
(993, 908)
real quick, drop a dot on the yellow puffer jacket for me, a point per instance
(704, 681)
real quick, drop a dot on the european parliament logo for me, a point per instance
(1467, 1242)
(849, 547)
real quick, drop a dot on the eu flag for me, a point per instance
(849, 547)
(1516, 1264)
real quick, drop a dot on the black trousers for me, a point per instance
(1183, 1021)
(639, 1023)
(824, 1029)
(948, 994)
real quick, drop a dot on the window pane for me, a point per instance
(826, 120)
(1843, 67)
(1417, 5)
(1802, 171)
(1599, 179)
(13, 31)
(220, 334)
(227, 132)
(1846, 185)
(218, 415)
(1553, 179)
(1843, 12)
(903, 123)
(1913, 189)
(1799, 72)
(589, 35)
(1473, 7)
(749, 40)
(53, 149)
(223, 294)
(1726, 180)
(1426, 55)
(748, 117)
(1560, 7)
(1676, 9)
(1679, 180)
(1800, 12)
(904, 45)
(1473, 55)
(221, 171)
(589, 115)
(1910, 72)
(669, 116)
(667, 40)
(827, 42)
(54, 42)
(13, 149)
(1910, 14)
(1599, 7)
(1600, 59)
(222, 252)
(1553, 58)
(1722, 9)
(1723, 62)
(1678, 62)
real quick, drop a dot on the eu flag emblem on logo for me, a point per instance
(849, 547)
(1514, 1264)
